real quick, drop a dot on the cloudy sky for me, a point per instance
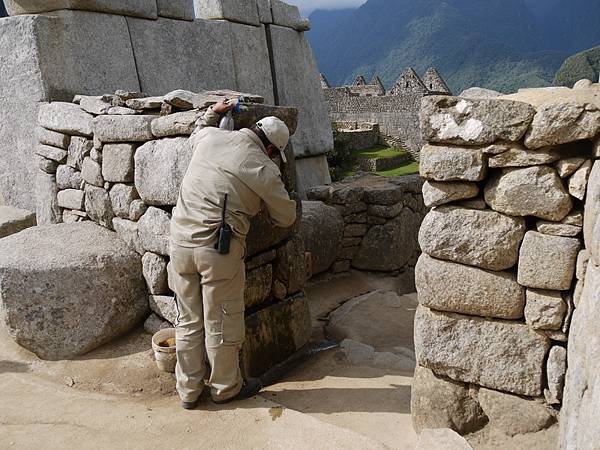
(307, 6)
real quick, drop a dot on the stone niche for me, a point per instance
(118, 160)
(54, 49)
(503, 292)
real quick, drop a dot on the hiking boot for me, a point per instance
(250, 388)
(190, 405)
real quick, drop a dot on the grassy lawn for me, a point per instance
(408, 168)
(378, 151)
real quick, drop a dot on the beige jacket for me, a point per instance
(232, 162)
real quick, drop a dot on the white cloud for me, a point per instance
(308, 6)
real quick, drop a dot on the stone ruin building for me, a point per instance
(395, 111)
(501, 235)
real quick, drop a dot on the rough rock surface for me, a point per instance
(164, 306)
(441, 439)
(155, 273)
(447, 163)
(391, 246)
(456, 120)
(99, 206)
(181, 123)
(452, 287)
(121, 198)
(154, 231)
(578, 181)
(439, 402)
(436, 193)
(141, 8)
(123, 128)
(321, 228)
(13, 220)
(486, 239)
(159, 169)
(547, 262)
(83, 288)
(65, 118)
(47, 210)
(513, 414)
(519, 156)
(568, 166)
(545, 310)
(532, 191)
(559, 122)
(581, 402)
(117, 162)
(592, 213)
(68, 178)
(476, 350)
(556, 368)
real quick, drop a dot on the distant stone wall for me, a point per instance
(379, 220)
(349, 136)
(53, 50)
(397, 115)
(119, 159)
(396, 112)
(502, 265)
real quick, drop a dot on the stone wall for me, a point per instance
(349, 136)
(377, 219)
(502, 263)
(396, 111)
(53, 50)
(118, 160)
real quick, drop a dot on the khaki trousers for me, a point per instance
(210, 301)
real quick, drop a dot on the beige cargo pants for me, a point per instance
(210, 301)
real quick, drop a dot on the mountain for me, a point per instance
(497, 44)
(581, 65)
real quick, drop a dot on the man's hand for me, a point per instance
(222, 106)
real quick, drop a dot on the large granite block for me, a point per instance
(176, 9)
(84, 53)
(288, 16)
(448, 286)
(581, 402)
(83, 288)
(173, 54)
(485, 239)
(17, 145)
(501, 355)
(243, 11)
(312, 172)
(251, 60)
(13, 220)
(159, 169)
(456, 120)
(298, 85)
(139, 8)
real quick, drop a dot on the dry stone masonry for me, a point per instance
(53, 50)
(115, 162)
(366, 222)
(507, 281)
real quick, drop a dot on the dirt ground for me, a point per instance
(356, 396)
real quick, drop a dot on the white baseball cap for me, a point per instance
(276, 132)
